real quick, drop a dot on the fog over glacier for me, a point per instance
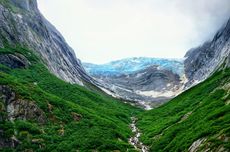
(104, 30)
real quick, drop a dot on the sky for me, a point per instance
(100, 31)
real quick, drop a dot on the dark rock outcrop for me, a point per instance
(12, 109)
(14, 61)
(8, 142)
(19, 108)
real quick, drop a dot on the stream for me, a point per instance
(135, 139)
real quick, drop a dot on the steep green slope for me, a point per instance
(200, 114)
(48, 114)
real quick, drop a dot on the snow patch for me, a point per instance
(156, 94)
(109, 92)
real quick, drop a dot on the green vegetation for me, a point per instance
(86, 120)
(201, 112)
(75, 118)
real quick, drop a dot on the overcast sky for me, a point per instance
(103, 30)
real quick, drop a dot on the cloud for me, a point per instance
(104, 30)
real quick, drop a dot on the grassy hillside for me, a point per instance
(74, 117)
(65, 117)
(200, 114)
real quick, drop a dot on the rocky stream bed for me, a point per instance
(135, 139)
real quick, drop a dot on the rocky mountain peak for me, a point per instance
(21, 23)
(29, 5)
(204, 60)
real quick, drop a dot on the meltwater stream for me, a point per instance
(135, 139)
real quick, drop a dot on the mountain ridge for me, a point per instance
(34, 31)
(206, 59)
(43, 106)
(198, 64)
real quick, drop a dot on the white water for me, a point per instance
(135, 139)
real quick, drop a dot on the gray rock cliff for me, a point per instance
(204, 60)
(22, 23)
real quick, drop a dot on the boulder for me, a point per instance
(14, 61)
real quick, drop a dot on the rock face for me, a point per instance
(202, 61)
(196, 145)
(22, 23)
(12, 109)
(18, 108)
(14, 61)
(29, 5)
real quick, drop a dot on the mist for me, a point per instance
(100, 31)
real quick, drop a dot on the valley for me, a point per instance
(40, 111)
(199, 113)
(51, 101)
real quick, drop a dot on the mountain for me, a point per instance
(38, 110)
(131, 65)
(22, 23)
(204, 60)
(147, 82)
(134, 79)
(197, 119)
(44, 107)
